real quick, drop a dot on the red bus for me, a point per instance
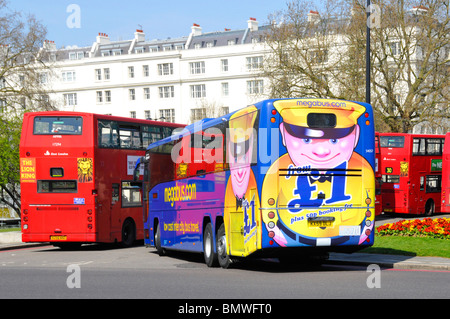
(411, 168)
(446, 176)
(77, 177)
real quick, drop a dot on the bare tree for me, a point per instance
(322, 54)
(23, 74)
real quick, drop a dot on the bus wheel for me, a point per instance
(128, 233)
(221, 244)
(161, 251)
(429, 207)
(208, 247)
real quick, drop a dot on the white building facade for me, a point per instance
(178, 80)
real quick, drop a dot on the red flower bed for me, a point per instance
(427, 227)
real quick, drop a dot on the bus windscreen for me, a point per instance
(61, 125)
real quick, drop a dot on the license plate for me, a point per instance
(60, 237)
(320, 223)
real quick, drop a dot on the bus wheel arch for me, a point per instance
(430, 207)
(128, 232)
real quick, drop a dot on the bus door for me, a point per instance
(243, 226)
(114, 211)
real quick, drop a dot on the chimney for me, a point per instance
(196, 30)
(49, 45)
(252, 24)
(313, 16)
(103, 38)
(419, 10)
(139, 36)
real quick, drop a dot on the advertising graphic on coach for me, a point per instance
(290, 173)
(324, 194)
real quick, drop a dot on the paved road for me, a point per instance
(104, 271)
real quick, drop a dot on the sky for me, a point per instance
(78, 22)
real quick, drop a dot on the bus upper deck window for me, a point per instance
(321, 120)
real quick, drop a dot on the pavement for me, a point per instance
(13, 240)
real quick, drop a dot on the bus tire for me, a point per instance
(128, 233)
(429, 208)
(221, 244)
(161, 251)
(208, 247)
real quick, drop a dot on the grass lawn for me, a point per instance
(10, 229)
(410, 246)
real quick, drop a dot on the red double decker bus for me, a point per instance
(77, 177)
(411, 168)
(445, 208)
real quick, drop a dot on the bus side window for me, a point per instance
(422, 183)
(107, 134)
(115, 193)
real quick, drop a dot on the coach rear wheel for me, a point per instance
(208, 247)
(221, 243)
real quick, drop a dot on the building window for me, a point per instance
(224, 64)
(106, 73)
(147, 114)
(165, 69)
(43, 78)
(255, 87)
(197, 67)
(145, 71)
(99, 97)
(166, 92)
(254, 63)
(131, 72)
(98, 74)
(139, 50)
(395, 48)
(225, 89)
(132, 94)
(68, 76)
(167, 115)
(108, 96)
(70, 99)
(146, 93)
(133, 114)
(198, 114)
(76, 55)
(198, 91)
